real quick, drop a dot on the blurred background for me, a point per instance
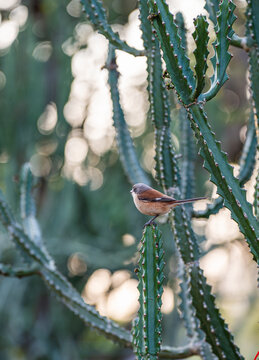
(56, 113)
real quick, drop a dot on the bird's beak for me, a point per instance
(131, 190)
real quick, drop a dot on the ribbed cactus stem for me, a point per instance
(222, 176)
(147, 328)
(252, 30)
(246, 162)
(224, 32)
(197, 294)
(177, 62)
(126, 149)
(166, 167)
(201, 38)
(96, 14)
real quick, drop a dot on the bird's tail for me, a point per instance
(188, 200)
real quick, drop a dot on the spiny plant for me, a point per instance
(164, 37)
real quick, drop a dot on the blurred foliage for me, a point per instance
(86, 219)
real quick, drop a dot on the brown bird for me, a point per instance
(154, 203)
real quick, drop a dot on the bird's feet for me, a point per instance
(149, 223)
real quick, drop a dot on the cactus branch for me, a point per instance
(96, 14)
(125, 145)
(212, 7)
(246, 162)
(147, 327)
(21, 272)
(212, 324)
(224, 32)
(216, 163)
(56, 281)
(201, 38)
(177, 62)
(159, 104)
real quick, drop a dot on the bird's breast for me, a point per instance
(151, 208)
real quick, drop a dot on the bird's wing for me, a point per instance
(154, 196)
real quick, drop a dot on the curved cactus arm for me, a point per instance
(179, 20)
(182, 352)
(45, 267)
(221, 58)
(67, 294)
(97, 16)
(212, 7)
(126, 148)
(177, 62)
(147, 329)
(159, 103)
(21, 272)
(211, 209)
(222, 176)
(243, 42)
(246, 162)
(198, 292)
(201, 38)
(29, 249)
(27, 204)
(28, 208)
(247, 159)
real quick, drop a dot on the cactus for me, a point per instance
(147, 327)
(125, 145)
(164, 36)
(97, 16)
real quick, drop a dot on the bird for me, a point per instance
(154, 203)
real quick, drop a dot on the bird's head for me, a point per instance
(139, 188)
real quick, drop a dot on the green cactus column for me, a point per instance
(147, 326)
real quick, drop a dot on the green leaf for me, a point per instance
(97, 16)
